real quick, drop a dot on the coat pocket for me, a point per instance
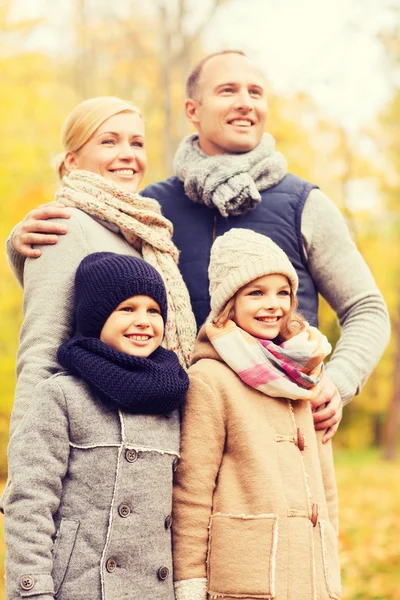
(242, 555)
(330, 558)
(62, 550)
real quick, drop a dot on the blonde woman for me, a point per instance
(103, 164)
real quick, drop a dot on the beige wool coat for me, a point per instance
(255, 501)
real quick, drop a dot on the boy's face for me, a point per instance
(135, 327)
(262, 305)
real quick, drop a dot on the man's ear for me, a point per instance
(71, 161)
(192, 110)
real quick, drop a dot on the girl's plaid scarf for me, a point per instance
(140, 221)
(289, 370)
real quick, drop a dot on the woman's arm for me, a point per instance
(48, 313)
(202, 446)
(37, 461)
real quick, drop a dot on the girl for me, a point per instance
(255, 507)
(88, 511)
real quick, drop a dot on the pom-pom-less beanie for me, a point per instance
(239, 257)
(103, 280)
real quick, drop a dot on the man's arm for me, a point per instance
(37, 228)
(343, 278)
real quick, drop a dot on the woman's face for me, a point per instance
(115, 151)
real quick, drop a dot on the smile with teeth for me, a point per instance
(138, 337)
(241, 122)
(274, 319)
(123, 171)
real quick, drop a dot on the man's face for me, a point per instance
(231, 106)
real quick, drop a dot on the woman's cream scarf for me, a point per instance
(141, 223)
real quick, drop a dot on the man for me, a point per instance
(229, 175)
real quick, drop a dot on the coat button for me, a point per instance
(300, 439)
(314, 514)
(131, 455)
(175, 463)
(27, 582)
(124, 510)
(168, 522)
(162, 573)
(111, 565)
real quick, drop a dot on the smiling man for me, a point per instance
(229, 174)
(227, 104)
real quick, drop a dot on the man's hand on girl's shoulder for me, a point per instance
(327, 409)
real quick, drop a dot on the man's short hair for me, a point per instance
(194, 75)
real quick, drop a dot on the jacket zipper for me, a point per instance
(214, 232)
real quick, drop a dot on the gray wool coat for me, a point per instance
(88, 511)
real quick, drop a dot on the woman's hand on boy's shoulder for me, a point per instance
(327, 409)
(38, 228)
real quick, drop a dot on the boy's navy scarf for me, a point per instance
(153, 385)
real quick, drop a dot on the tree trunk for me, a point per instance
(166, 94)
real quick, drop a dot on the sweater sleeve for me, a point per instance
(202, 445)
(37, 458)
(48, 313)
(343, 278)
(15, 260)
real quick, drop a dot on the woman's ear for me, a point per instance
(71, 161)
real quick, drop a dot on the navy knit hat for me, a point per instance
(103, 280)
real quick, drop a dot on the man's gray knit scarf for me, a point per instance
(229, 182)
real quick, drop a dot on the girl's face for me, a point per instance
(262, 305)
(115, 151)
(135, 327)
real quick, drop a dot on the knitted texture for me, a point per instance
(141, 223)
(240, 256)
(153, 385)
(103, 280)
(229, 182)
(290, 370)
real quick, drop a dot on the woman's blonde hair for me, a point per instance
(293, 322)
(83, 121)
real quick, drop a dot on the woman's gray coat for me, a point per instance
(89, 505)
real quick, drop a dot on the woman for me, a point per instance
(103, 164)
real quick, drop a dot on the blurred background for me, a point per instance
(333, 71)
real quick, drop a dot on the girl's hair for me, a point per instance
(83, 121)
(293, 322)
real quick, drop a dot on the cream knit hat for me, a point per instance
(240, 256)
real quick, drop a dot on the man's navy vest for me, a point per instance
(196, 226)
